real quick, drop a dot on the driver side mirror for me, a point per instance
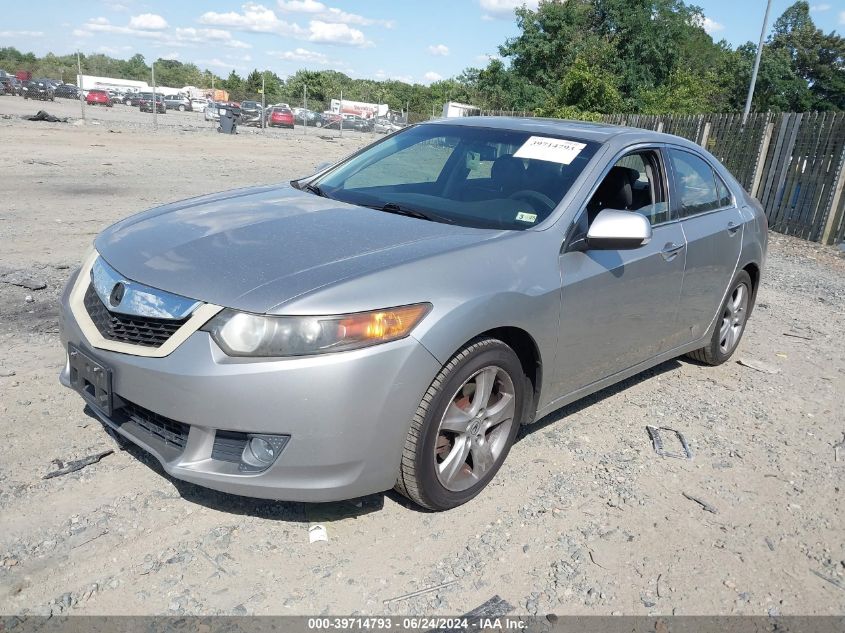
(618, 230)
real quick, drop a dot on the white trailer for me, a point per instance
(453, 109)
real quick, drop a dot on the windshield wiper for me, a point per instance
(392, 207)
(315, 189)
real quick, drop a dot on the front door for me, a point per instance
(619, 308)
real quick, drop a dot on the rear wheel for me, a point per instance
(730, 323)
(181, 108)
(464, 426)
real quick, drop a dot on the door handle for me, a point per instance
(670, 251)
(733, 227)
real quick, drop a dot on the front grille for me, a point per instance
(126, 328)
(169, 431)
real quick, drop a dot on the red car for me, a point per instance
(98, 97)
(281, 117)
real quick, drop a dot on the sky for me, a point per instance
(408, 40)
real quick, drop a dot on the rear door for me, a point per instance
(619, 307)
(713, 226)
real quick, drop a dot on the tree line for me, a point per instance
(570, 59)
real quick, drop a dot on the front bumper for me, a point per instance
(347, 414)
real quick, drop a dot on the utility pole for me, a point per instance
(155, 103)
(340, 112)
(756, 64)
(81, 98)
(305, 110)
(263, 105)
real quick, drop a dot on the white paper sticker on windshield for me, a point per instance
(522, 216)
(553, 150)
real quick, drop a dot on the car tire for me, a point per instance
(438, 470)
(181, 108)
(730, 322)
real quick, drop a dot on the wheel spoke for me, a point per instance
(482, 458)
(484, 382)
(499, 412)
(724, 330)
(738, 299)
(455, 460)
(455, 419)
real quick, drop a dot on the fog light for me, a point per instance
(261, 451)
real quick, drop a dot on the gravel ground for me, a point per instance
(584, 518)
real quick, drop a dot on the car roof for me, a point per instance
(581, 130)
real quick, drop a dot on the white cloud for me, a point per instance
(172, 55)
(819, 8)
(432, 76)
(82, 33)
(21, 33)
(302, 55)
(486, 58)
(332, 33)
(301, 6)
(102, 25)
(208, 36)
(114, 50)
(842, 18)
(504, 9)
(438, 50)
(147, 22)
(255, 18)
(710, 26)
(329, 14)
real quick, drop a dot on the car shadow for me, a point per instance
(603, 394)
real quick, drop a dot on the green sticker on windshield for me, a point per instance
(526, 217)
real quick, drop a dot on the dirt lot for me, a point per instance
(584, 518)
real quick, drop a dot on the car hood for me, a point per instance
(256, 249)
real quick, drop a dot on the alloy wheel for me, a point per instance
(474, 429)
(733, 319)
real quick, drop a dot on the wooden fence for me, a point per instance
(793, 163)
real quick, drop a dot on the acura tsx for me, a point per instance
(392, 320)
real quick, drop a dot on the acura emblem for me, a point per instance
(117, 293)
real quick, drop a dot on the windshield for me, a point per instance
(471, 176)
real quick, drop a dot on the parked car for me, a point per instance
(145, 103)
(38, 89)
(212, 110)
(98, 97)
(198, 105)
(177, 102)
(251, 113)
(281, 117)
(395, 319)
(134, 98)
(6, 85)
(383, 125)
(359, 123)
(16, 85)
(331, 120)
(67, 91)
(302, 116)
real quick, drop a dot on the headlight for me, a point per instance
(244, 334)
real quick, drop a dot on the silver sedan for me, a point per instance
(394, 319)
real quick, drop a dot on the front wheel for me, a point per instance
(464, 426)
(730, 322)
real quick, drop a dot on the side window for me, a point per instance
(635, 183)
(695, 183)
(725, 197)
